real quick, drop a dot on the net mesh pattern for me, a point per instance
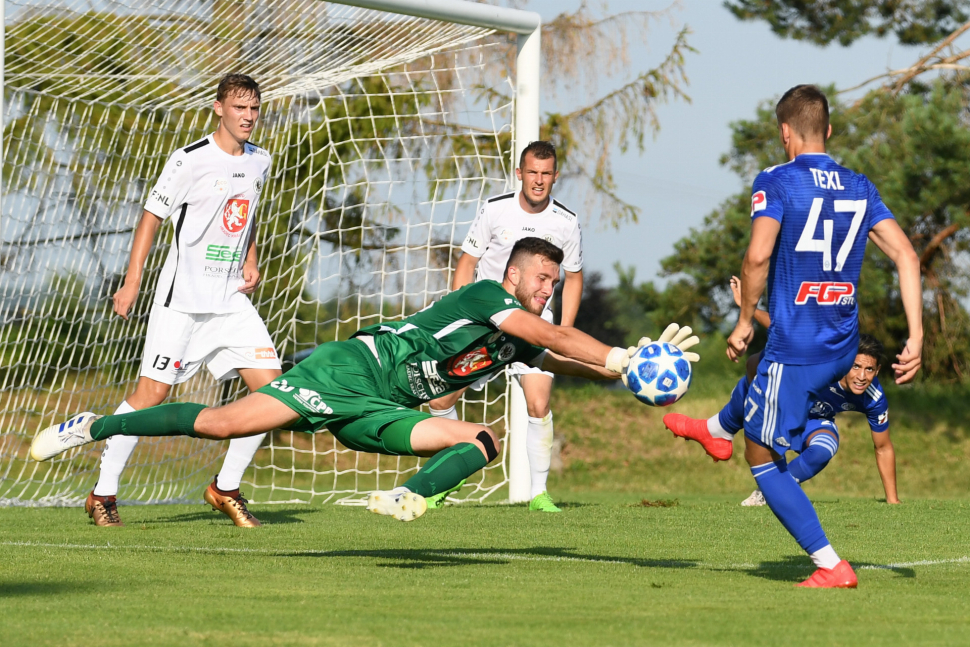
(387, 132)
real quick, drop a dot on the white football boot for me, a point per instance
(756, 499)
(400, 503)
(59, 438)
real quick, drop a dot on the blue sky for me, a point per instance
(678, 179)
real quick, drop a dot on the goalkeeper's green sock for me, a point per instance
(446, 469)
(176, 419)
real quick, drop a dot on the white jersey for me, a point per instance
(211, 198)
(501, 222)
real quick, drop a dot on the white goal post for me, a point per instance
(389, 122)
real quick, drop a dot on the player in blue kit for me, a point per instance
(810, 220)
(859, 390)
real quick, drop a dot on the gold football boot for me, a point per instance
(231, 504)
(103, 509)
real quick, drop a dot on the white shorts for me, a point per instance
(178, 343)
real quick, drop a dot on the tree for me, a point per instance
(913, 22)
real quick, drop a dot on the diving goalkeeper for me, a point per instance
(363, 389)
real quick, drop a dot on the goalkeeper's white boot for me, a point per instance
(400, 503)
(59, 438)
(756, 499)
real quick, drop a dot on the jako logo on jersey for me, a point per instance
(311, 400)
(758, 202)
(826, 293)
(235, 215)
(467, 363)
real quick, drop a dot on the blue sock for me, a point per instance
(790, 505)
(731, 416)
(821, 449)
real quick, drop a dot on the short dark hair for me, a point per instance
(526, 248)
(806, 110)
(869, 345)
(236, 84)
(541, 150)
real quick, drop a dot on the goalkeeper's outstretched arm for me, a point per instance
(566, 341)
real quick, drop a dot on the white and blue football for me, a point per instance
(658, 374)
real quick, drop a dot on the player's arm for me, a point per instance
(464, 271)
(886, 463)
(250, 269)
(124, 298)
(754, 276)
(572, 295)
(892, 240)
(568, 342)
(761, 316)
(563, 366)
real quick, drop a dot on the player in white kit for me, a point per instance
(201, 312)
(503, 220)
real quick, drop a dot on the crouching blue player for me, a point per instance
(810, 220)
(816, 445)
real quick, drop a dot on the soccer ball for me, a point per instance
(658, 374)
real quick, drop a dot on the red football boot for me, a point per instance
(717, 448)
(840, 577)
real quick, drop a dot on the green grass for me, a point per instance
(607, 571)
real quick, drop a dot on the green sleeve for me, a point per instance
(482, 300)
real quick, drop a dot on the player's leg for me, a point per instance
(537, 387)
(780, 396)
(163, 364)
(820, 446)
(445, 406)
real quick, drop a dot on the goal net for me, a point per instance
(387, 132)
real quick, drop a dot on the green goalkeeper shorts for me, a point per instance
(338, 387)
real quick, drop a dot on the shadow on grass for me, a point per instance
(425, 558)
(24, 589)
(274, 515)
(796, 568)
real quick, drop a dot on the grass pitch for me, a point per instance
(608, 570)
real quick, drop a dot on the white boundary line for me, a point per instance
(282, 552)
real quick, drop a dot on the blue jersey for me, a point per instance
(835, 400)
(826, 212)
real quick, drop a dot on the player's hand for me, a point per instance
(676, 336)
(738, 340)
(735, 284)
(250, 274)
(124, 300)
(909, 361)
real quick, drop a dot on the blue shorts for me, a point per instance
(798, 440)
(781, 395)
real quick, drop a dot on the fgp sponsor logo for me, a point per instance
(311, 400)
(235, 216)
(222, 254)
(158, 197)
(759, 201)
(826, 293)
(468, 363)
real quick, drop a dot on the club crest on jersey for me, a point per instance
(235, 216)
(826, 293)
(506, 352)
(822, 409)
(258, 185)
(759, 201)
(468, 363)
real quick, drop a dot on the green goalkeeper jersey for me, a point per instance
(450, 344)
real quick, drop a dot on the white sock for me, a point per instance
(538, 446)
(238, 457)
(450, 413)
(716, 430)
(825, 557)
(117, 451)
